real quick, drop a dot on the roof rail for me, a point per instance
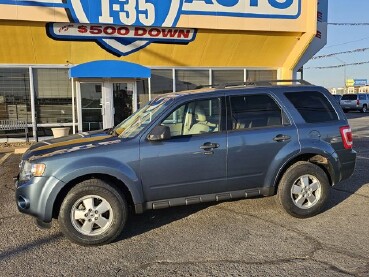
(263, 83)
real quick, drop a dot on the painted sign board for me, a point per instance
(164, 13)
(110, 22)
(356, 82)
(123, 27)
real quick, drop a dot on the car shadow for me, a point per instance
(29, 247)
(138, 224)
(345, 189)
(356, 114)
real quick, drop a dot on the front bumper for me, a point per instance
(37, 196)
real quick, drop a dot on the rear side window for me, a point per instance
(362, 96)
(313, 106)
(254, 111)
(349, 97)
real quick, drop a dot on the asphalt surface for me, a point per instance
(241, 238)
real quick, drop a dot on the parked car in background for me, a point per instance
(337, 97)
(355, 102)
(191, 147)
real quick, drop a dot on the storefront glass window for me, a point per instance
(161, 82)
(142, 92)
(15, 101)
(227, 76)
(261, 75)
(53, 96)
(191, 79)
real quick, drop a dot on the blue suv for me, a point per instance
(211, 144)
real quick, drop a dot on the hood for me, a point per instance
(67, 144)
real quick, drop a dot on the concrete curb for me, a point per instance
(20, 150)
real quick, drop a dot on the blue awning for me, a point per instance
(109, 69)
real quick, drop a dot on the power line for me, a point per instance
(341, 53)
(349, 24)
(337, 66)
(348, 42)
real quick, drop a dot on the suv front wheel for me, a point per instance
(303, 190)
(93, 213)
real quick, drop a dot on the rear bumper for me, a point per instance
(352, 107)
(347, 165)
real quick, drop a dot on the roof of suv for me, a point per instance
(249, 85)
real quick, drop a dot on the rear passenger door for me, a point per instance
(257, 137)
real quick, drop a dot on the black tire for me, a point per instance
(364, 109)
(100, 224)
(299, 196)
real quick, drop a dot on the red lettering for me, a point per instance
(123, 31)
(184, 33)
(95, 30)
(154, 32)
(169, 33)
(140, 32)
(110, 30)
(82, 29)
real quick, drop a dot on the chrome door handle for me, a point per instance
(209, 146)
(280, 138)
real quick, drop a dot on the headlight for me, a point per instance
(30, 170)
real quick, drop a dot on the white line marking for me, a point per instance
(4, 158)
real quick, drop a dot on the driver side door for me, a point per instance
(193, 160)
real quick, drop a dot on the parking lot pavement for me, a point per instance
(239, 238)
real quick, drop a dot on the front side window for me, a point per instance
(194, 118)
(313, 106)
(254, 111)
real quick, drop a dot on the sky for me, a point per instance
(342, 38)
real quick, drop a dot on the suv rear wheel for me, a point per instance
(93, 213)
(303, 190)
(364, 109)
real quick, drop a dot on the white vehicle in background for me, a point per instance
(355, 102)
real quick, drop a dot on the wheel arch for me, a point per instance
(318, 159)
(109, 179)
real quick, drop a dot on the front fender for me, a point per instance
(103, 165)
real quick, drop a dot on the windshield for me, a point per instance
(141, 118)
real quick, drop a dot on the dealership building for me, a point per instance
(87, 65)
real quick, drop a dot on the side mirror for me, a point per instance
(159, 132)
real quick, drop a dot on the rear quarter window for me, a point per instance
(313, 106)
(362, 96)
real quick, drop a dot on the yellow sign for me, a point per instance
(350, 82)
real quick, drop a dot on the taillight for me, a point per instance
(357, 102)
(346, 135)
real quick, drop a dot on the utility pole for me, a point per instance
(344, 71)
